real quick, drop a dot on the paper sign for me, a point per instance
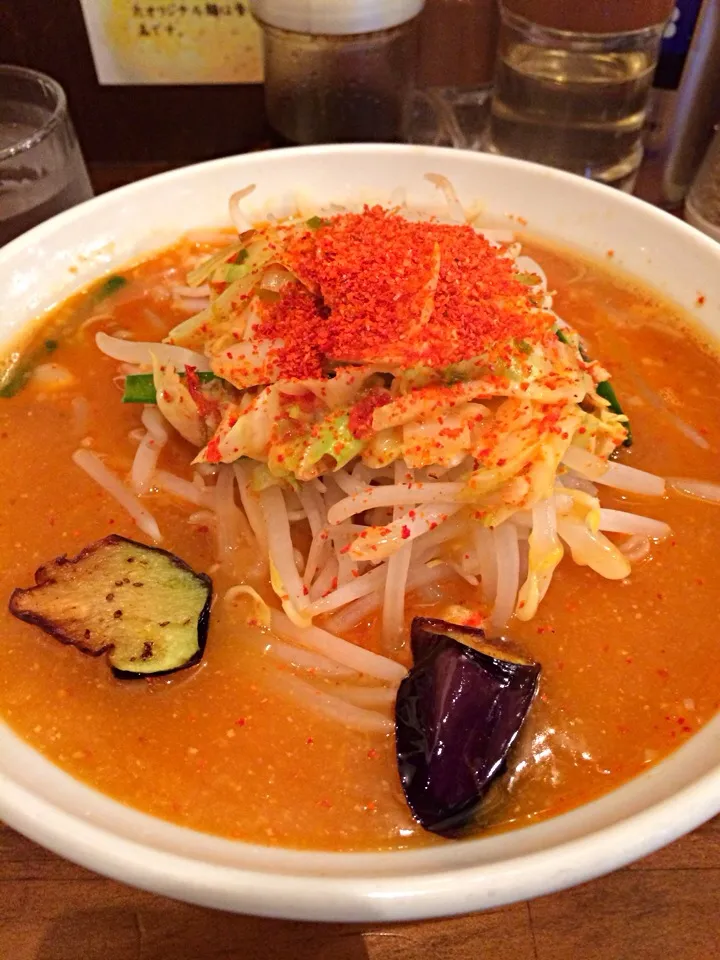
(171, 42)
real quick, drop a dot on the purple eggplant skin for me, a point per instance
(457, 714)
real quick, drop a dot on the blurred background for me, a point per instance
(626, 92)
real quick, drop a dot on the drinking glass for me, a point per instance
(572, 84)
(41, 167)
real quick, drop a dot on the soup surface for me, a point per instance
(630, 668)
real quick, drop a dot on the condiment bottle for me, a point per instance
(458, 43)
(698, 105)
(338, 70)
(572, 83)
(660, 137)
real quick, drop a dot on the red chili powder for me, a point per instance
(372, 276)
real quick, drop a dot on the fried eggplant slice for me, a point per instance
(144, 607)
(457, 714)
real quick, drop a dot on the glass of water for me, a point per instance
(41, 167)
(572, 84)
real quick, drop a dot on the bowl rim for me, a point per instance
(296, 896)
(413, 896)
(160, 180)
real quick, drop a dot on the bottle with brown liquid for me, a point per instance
(338, 70)
(458, 41)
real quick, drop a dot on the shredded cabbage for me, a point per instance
(330, 438)
(176, 403)
(514, 435)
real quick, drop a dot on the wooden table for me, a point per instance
(666, 907)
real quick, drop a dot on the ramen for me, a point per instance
(378, 530)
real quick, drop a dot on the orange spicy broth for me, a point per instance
(629, 669)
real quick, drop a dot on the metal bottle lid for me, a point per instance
(335, 17)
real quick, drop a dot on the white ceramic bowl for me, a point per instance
(54, 809)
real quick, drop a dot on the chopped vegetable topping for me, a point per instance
(230, 254)
(110, 286)
(140, 388)
(20, 365)
(144, 607)
(605, 390)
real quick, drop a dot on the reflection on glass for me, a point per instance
(41, 167)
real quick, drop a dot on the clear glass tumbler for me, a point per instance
(575, 98)
(41, 167)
